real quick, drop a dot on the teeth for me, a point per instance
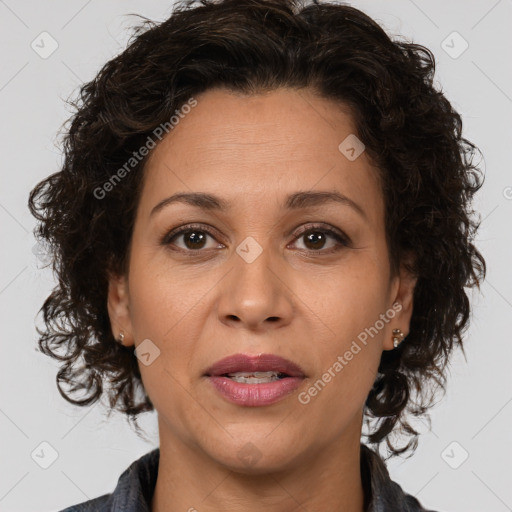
(253, 374)
(254, 377)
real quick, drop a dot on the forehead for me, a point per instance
(251, 147)
(294, 120)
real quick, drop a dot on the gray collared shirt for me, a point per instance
(135, 487)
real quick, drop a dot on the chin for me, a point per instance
(255, 454)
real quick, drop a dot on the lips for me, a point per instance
(255, 381)
(250, 364)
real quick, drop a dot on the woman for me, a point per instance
(262, 231)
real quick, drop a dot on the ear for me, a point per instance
(118, 309)
(402, 298)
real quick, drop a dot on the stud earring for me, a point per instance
(121, 337)
(398, 336)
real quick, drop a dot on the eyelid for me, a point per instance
(339, 235)
(186, 228)
(322, 227)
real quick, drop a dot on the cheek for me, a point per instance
(354, 294)
(164, 310)
(348, 355)
(353, 301)
(167, 306)
(162, 299)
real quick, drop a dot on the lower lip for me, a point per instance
(254, 395)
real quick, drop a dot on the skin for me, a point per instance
(297, 299)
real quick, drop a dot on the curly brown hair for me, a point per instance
(409, 128)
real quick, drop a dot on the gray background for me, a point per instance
(473, 420)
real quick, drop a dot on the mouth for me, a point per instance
(255, 377)
(262, 366)
(253, 381)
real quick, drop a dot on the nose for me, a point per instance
(255, 295)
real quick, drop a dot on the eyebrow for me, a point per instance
(295, 201)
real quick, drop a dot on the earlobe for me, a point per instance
(404, 297)
(119, 311)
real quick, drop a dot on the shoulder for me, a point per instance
(395, 496)
(95, 505)
(133, 492)
(383, 494)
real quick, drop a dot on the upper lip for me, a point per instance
(255, 363)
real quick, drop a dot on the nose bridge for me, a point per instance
(254, 275)
(255, 291)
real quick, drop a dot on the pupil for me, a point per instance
(196, 239)
(317, 238)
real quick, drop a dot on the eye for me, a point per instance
(315, 238)
(194, 237)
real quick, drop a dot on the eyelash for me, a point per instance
(342, 239)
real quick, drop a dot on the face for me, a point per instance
(301, 277)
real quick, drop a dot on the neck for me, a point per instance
(190, 480)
